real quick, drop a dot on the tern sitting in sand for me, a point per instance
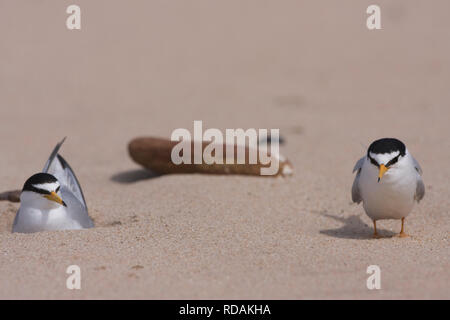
(52, 200)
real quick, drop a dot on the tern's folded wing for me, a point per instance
(417, 165)
(356, 195)
(58, 167)
(420, 189)
(52, 156)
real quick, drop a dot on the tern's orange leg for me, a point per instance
(402, 233)
(375, 233)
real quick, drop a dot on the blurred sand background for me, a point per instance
(309, 68)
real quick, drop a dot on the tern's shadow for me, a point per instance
(131, 176)
(353, 228)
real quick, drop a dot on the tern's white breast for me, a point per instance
(393, 196)
(33, 220)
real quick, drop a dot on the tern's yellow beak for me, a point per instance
(383, 170)
(54, 197)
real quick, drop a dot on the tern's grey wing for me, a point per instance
(356, 195)
(58, 167)
(417, 166)
(359, 164)
(75, 208)
(420, 188)
(53, 156)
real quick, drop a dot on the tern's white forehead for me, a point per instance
(384, 158)
(49, 186)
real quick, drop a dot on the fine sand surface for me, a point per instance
(309, 68)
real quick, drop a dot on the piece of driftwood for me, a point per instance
(155, 154)
(12, 196)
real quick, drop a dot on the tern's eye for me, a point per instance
(57, 189)
(372, 160)
(393, 161)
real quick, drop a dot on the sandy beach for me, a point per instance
(310, 68)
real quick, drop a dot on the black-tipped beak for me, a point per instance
(383, 170)
(54, 197)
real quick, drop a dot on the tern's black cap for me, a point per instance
(38, 178)
(387, 145)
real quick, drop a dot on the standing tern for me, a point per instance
(388, 182)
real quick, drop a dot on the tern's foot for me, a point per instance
(376, 236)
(403, 235)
